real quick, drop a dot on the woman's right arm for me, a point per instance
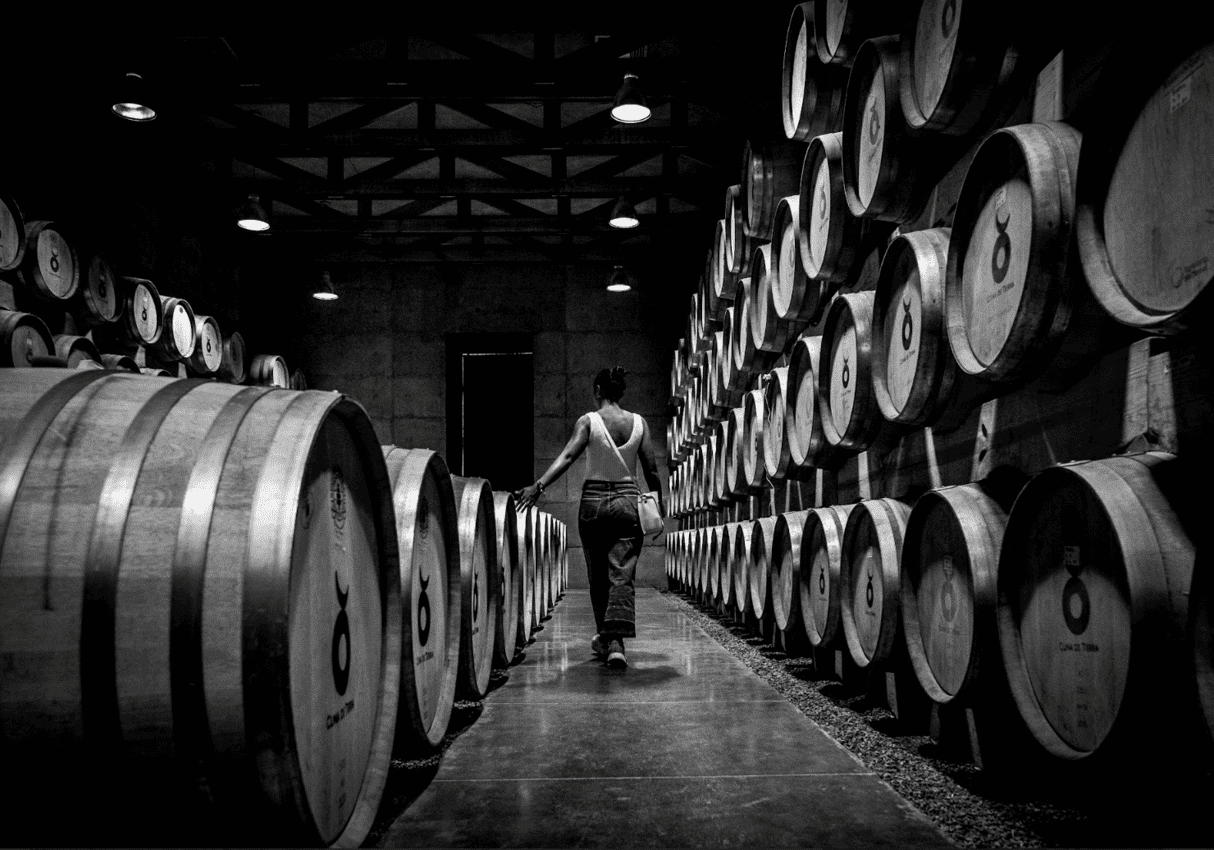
(528, 496)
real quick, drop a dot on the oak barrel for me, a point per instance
(811, 93)
(207, 356)
(526, 574)
(97, 302)
(842, 26)
(735, 432)
(179, 340)
(820, 571)
(769, 331)
(75, 349)
(120, 363)
(786, 569)
(752, 472)
(738, 244)
(231, 365)
(23, 337)
(794, 297)
(186, 610)
(777, 454)
(1201, 635)
(480, 584)
(762, 541)
(506, 641)
(729, 533)
(141, 319)
(959, 72)
(889, 170)
(12, 234)
(49, 266)
(712, 583)
(851, 418)
(950, 559)
(770, 171)
(807, 444)
(1142, 217)
(870, 581)
(1093, 578)
(269, 370)
(739, 553)
(1010, 302)
(428, 530)
(915, 379)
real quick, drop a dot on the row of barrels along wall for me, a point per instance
(237, 588)
(69, 308)
(845, 305)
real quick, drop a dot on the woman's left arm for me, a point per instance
(649, 466)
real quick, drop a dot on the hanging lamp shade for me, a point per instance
(324, 290)
(623, 215)
(132, 101)
(619, 281)
(252, 215)
(630, 106)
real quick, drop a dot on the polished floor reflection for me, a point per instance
(687, 748)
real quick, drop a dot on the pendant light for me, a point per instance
(619, 281)
(623, 215)
(252, 215)
(630, 106)
(132, 101)
(324, 290)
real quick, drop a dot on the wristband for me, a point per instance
(540, 484)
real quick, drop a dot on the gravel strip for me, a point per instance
(972, 807)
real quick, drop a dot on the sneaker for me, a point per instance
(598, 647)
(615, 656)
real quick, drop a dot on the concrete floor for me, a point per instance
(686, 748)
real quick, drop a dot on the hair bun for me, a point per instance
(618, 373)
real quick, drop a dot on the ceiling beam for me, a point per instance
(414, 222)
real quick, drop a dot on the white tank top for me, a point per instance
(603, 457)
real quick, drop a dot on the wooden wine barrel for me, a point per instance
(842, 26)
(479, 583)
(762, 543)
(821, 568)
(207, 356)
(23, 338)
(738, 244)
(770, 171)
(915, 379)
(811, 93)
(506, 631)
(1141, 217)
(191, 612)
(851, 418)
(770, 332)
(526, 575)
(154, 371)
(298, 380)
(712, 582)
(180, 337)
(889, 170)
(75, 349)
(49, 266)
(141, 321)
(950, 558)
(734, 431)
(97, 301)
(1009, 300)
(428, 530)
(120, 363)
(833, 241)
(725, 496)
(269, 370)
(12, 234)
(538, 611)
(777, 458)
(741, 555)
(1093, 575)
(733, 381)
(869, 581)
(794, 298)
(752, 477)
(729, 533)
(807, 444)
(231, 365)
(959, 72)
(786, 569)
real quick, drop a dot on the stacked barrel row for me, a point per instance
(1071, 600)
(237, 589)
(71, 309)
(898, 260)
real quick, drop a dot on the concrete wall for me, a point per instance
(383, 343)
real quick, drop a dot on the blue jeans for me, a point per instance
(611, 540)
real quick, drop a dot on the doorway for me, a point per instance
(490, 412)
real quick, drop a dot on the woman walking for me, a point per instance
(608, 520)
